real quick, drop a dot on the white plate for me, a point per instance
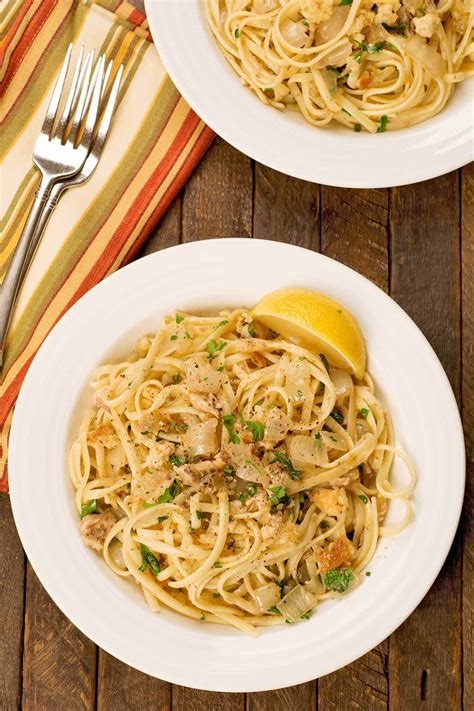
(105, 324)
(284, 141)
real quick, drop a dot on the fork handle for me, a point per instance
(10, 287)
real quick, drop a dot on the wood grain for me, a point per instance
(12, 582)
(425, 652)
(286, 209)
(295, 698)
(59, 662)
(354, 230)
(217, 202)
(185, 699)
(467, 280)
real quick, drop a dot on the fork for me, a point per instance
(60, 153)
(87, 169)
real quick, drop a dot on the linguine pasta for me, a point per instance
(234, 475)
(367, 65)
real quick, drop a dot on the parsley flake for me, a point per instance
(213, 347)
(149, 560)
(338, 580)
(283, 459)
(88, 509)
(228, 421)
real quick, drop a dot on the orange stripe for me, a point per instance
(34, 26)
(13, 29)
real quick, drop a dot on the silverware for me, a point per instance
(65, 154)
(87, 169)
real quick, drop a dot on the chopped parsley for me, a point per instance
(338, 417)
(274, 610)
(271, 93)
(169, 493)
(217, 564)
(279, 496)
(383, 124)
(203, 616)
(305, 616)
(179, 318)
(338, 70)
(175, 460)
(228, 470)
(420, 12)
(394, 28)
(338, 579)
(257, 429)
(357, 127)
(321, 355)
(368, 573)
(221, 323)
(364, 413)
(305, 23)
(174, 338)
(324, 525)
(283, 459)
(88, 509)
(345, 2)
(251, 330)
(160, 519)
(237, 33)
(149, 560)
(213, 347)
(251, 490)
(199, 515)
(363, 498)
(221, 369)
(176, 379)
(228, 422)
(146, 432)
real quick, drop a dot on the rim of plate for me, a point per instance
(284, 141)
(108, 319)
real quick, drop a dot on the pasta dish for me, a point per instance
(367, 65)
(233, 474)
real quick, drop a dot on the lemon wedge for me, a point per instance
(317, 322)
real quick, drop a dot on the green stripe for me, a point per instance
(133, 70)
(44, 75)
(9, 236)
(84, 231)
(6, 10)
(16, 198)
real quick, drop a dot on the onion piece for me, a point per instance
(277, 424)
(116, 553)
(201, 439)
(306, 451)
(201, 377)
(267, 596)
(342, 381)
(294, 33)
(263, 6)
(329, 28)
(432, 61)
(336, 57)
(298, 380)
(296, 603)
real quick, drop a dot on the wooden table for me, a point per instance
(416, 243)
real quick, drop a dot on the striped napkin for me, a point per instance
(154, 145)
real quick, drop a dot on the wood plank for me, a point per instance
(293, 698)
(217, 202)
(467, 280)
(59, 662)
(425, 652)
(120, 687)
(12, 583)
(185, 699)
(354, 230)
(286, 209)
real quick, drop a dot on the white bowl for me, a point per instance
(332, 155)
(105, 324)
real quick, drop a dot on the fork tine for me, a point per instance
(56, 95)
(107, 77)
(92, 83)
(94, 105)
(64, 120)
(109, 111)
(79, 108)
